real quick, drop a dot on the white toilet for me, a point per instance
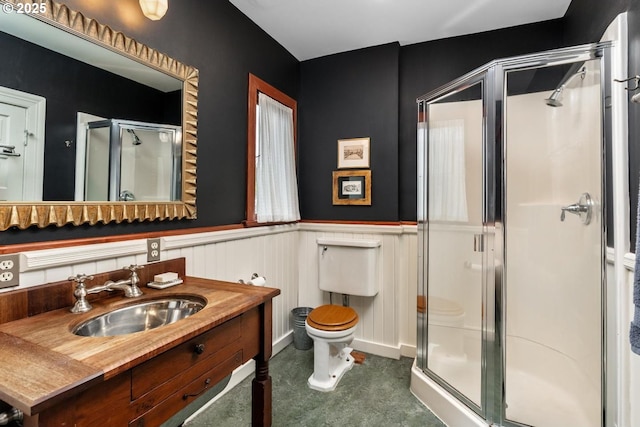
(348, 267)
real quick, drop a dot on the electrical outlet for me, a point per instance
(9, 270)
(153, 250)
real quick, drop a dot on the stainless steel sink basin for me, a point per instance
(140, 317)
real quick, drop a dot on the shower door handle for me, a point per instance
(478, 242)
(584, 209)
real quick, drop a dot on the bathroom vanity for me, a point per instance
(58, 378)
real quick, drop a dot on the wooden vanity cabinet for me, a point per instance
(152, 392)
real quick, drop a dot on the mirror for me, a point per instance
(133, 84)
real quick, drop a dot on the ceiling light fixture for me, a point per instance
(154, 9)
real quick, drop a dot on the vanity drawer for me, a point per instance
(159, 412)
(177, 361)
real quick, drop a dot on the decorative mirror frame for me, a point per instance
(42, 214)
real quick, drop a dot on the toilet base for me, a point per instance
(339, 365)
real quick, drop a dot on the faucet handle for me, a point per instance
(81, 305)
(80, 278)
(135, 290)
(133, 267)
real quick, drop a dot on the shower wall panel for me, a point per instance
(553, 258)
(553, 267)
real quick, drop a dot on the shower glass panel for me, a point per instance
(553, 245)
(453, 160)
(511, 238)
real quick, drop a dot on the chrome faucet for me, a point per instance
(129, 286)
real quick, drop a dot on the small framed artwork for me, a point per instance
(353, 153)
(352, 187)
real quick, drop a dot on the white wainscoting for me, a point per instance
(228, 255)
(285, 255)
(629, 368)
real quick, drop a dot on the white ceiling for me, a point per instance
(313, 28)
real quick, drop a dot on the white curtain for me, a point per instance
(276, 183)
(446, 171)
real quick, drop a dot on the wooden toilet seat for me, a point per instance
(332, 318)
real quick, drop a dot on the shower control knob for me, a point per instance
(583, 209)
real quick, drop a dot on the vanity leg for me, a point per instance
(261, 384)
(261, 396)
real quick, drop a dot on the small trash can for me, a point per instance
(301, 340)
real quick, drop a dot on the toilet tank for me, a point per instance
(348, 266)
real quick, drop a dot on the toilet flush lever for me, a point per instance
(324, 249)
(583, 209)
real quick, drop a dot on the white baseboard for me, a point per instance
(408, 350)
(282, 342)
(378, 349)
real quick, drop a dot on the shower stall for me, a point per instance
(512, 241)
(131, 161)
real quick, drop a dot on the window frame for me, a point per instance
(257, 85)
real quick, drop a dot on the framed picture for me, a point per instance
(352, 187)
(353, 153)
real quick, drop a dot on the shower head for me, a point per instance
(136, 140)
(554, 99)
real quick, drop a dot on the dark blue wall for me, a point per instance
(369, 92)
(350, 95)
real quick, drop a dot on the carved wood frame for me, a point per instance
(42, 214)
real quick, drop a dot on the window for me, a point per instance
(272, 189)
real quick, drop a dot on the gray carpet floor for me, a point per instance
(375, 393)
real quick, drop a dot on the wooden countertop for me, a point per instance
(43, 362)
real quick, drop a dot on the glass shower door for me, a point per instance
(451, 144)
(553, 245)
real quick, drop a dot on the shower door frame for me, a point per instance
(492, 76)
(469, 80)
